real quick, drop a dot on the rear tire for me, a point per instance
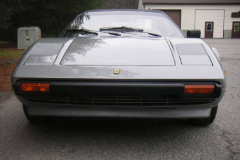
(205, 121)
(31, 118)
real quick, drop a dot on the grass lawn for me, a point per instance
(8, 53)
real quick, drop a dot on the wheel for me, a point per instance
(205, 121)
(31, 118)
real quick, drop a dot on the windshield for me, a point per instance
(151, 22)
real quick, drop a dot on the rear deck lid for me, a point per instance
(122, 51)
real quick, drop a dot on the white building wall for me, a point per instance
(216, 16)
(228, 19)
(188, 14)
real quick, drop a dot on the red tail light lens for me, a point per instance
(35, 87)
(201, 89)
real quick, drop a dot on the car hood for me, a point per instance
(175, 59)
(108, 51)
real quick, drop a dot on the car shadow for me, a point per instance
(109, 138)
(113, 129)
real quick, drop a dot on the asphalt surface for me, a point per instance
(128, 138)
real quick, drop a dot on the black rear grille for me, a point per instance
(101, 93)
(117, 101)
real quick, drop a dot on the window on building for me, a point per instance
(209, 26)
(236, 27)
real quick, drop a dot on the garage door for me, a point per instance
(175, 15)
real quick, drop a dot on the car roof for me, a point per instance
(122, 10)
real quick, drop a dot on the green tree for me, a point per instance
(52, 16)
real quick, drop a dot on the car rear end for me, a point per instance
(169, 85)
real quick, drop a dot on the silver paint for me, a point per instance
(68, 62)
(118, 52)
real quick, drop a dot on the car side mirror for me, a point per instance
(193, 34)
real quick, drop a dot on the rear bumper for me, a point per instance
(118, 113)
(120, 94)
(120, 99)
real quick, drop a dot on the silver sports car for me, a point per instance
(121, 63)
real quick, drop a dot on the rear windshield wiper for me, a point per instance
(127, 29)
(154, 34)
(82, 31)
(121, 29)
